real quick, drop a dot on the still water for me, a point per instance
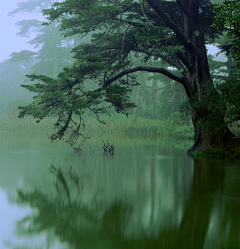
(149, 194)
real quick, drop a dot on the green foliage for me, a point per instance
(24, 55)
(222, 110)
(185, 131)
(64, 96)
(218, 69)
(144, 111)
(211, 153)
(228, 18)
(103, 68)
(230, 94)
(174, 125)
(172, 95)
(210, 113)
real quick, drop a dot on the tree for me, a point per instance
(53, 51)
(174, 31)
(228, 18)
(11, 77)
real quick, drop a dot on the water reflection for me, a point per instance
(140, 197)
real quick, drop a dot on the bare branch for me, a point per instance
(183, 81)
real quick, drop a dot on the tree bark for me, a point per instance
(206, 140)
(196, 80)
(200, 83)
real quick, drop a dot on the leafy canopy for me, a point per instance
(228, 18)
(103, 70)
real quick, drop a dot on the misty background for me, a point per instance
(25, 52)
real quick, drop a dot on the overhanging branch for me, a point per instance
(171, 62)
(183, 81)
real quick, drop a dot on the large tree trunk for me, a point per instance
(205, 139)
(193, 64)
(200, 85)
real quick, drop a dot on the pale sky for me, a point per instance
(10, 43)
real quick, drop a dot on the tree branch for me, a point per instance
(181, 7)
(183, 59)
(183, 81)
(177, 65)
(130, 22)
(177, 30)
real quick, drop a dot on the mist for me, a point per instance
(119, 125)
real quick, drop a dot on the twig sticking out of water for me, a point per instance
(108, 147)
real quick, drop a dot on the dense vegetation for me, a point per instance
(119, 48)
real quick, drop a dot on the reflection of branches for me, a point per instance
(76, 223)
(91, 226)
(75, 179)
(10, 245)
(65, 179)
(59, 174)
(46, 208)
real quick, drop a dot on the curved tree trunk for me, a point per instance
(205, 139)
(200, 85)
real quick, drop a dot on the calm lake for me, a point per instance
(149, 194)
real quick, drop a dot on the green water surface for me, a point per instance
(148, 194)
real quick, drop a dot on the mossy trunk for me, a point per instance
(206, 138)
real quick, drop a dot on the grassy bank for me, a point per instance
(121, 124)
(26, 126)
(115, 124)
(118, 126)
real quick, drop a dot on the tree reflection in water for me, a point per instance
(210, 218)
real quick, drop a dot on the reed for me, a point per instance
(117, 125)
(26, 126)
(121, 128)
